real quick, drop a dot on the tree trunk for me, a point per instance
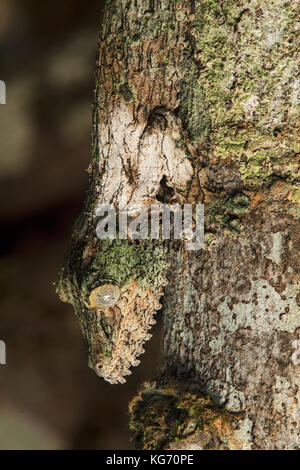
(196, 102)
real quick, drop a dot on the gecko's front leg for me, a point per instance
(116, 284)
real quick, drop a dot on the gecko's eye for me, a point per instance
(104, 296)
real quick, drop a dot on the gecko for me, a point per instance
(116, 285)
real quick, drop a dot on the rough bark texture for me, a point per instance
(196, 101)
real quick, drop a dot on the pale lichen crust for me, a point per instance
(129, 322)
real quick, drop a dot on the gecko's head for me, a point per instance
(122, 319)
(115, 287)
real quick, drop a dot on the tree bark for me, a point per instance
(196, 102)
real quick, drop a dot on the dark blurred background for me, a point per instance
(49, 398)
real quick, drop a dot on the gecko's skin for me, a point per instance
(141, 165)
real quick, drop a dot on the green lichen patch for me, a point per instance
(225, 212)
(193, 108)
(296, 196)
(122, 261)
(240, 85)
